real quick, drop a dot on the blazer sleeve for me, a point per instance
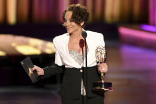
(101, 40)
(52, 70)
(58, 58)
(56, 68)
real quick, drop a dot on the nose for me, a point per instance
(67, 23)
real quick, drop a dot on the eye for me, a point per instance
(64, 20)
(71, 20)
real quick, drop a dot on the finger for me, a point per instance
(34, 68)
(104, 69)
(98, 64)
(39, 73)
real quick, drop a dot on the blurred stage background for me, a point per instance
(27, 28)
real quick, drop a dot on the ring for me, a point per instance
(103, 69)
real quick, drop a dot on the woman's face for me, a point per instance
(69, 24)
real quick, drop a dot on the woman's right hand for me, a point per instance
(39, 70)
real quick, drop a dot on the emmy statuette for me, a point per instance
(102, 86)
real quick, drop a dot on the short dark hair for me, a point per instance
(80, 14)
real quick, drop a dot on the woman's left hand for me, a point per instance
(102, 67)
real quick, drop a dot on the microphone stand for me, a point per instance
(85, 72)
(84, 35)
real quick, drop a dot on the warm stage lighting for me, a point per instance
(20, 45)
(2, 53)
(27, 50)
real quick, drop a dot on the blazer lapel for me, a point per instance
(89, 51)
(73, 63)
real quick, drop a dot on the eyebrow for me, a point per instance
(65, 18)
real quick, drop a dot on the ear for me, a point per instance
(82, 23)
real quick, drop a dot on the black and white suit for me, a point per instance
(71, 85)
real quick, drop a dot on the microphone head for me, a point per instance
(84, 34)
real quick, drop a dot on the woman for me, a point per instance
(70, 58)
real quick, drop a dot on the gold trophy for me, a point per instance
(102, 85)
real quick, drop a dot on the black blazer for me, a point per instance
(71, 84)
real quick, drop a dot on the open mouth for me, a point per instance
(68, 28)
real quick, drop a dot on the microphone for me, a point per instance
(84, 34)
